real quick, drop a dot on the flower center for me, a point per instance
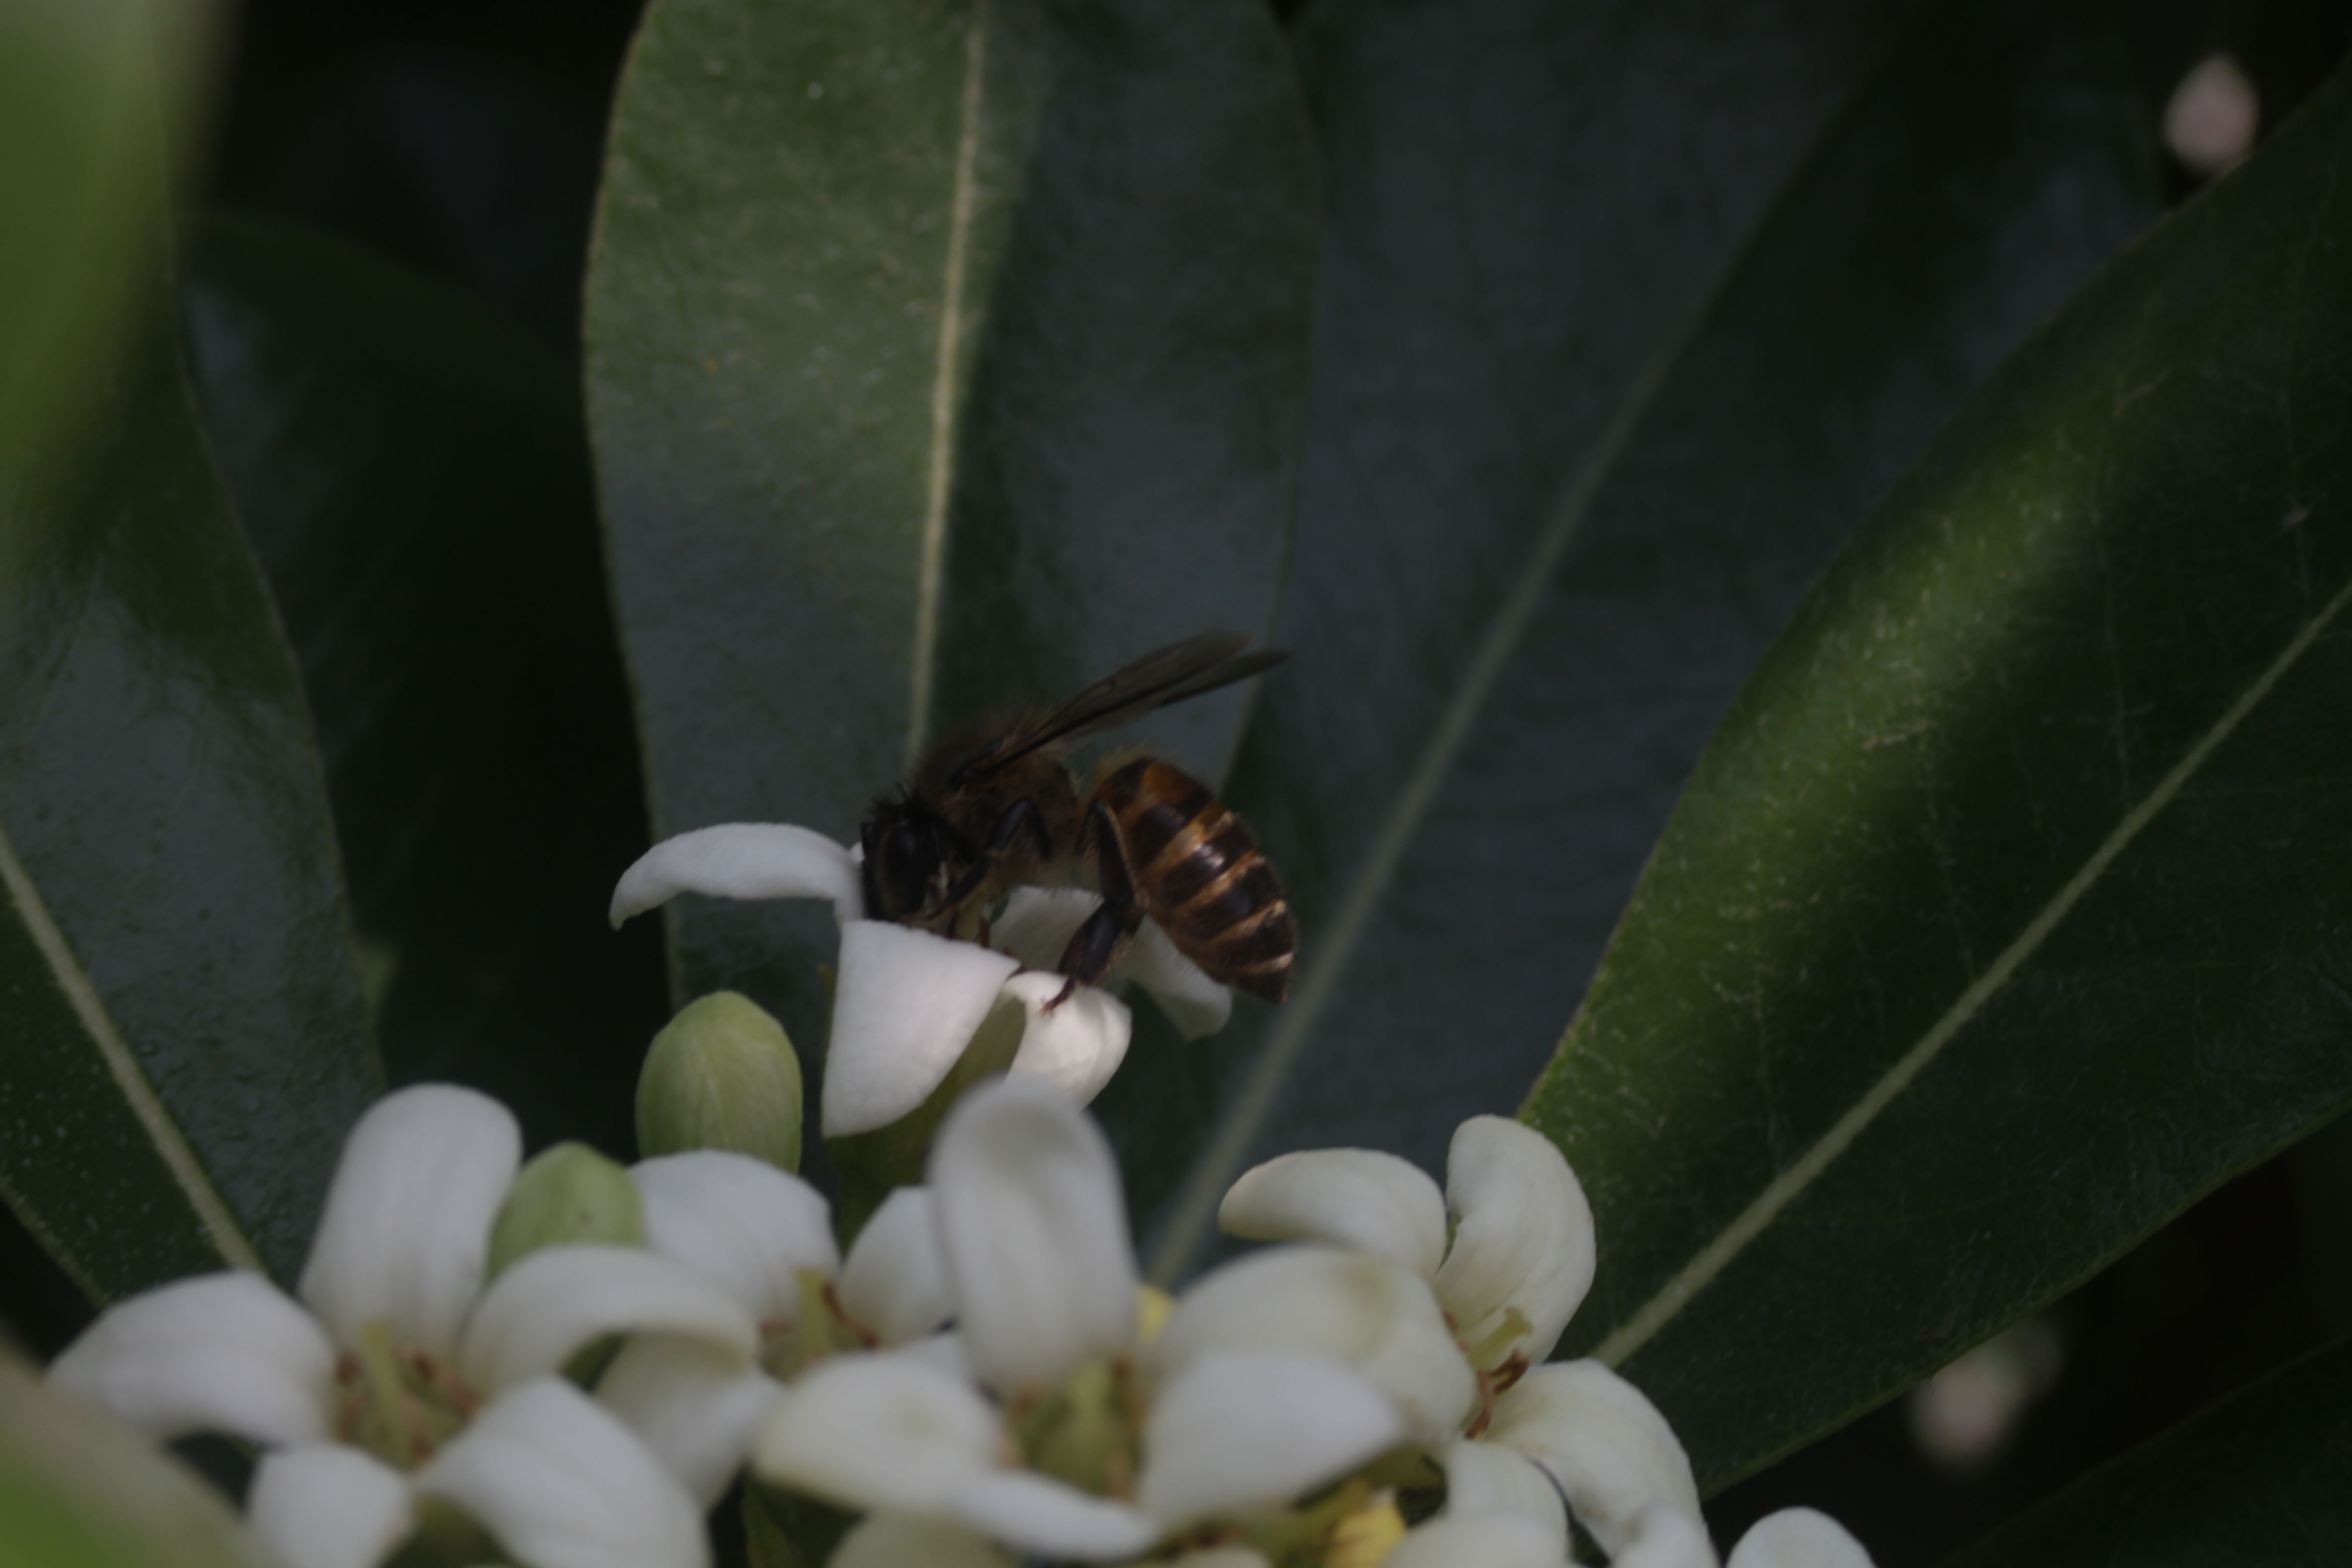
(1354, 1524)
(397, 1402)
(1495, 1370)
(1364, 1536)
(1088, 1432)
(821, 1328)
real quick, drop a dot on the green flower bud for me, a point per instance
(722, 1076)
(567, 1194)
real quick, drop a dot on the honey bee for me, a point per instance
(998, 806)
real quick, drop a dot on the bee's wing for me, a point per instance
(1171, 674)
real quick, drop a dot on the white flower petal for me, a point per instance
(904, 1004)
(406, 1229)
(942, 1352)
(220, 1352)
(894, 1280)
(1525, 1237)
(742, 860)
(1798, 1538)
(878, 1432)
(1233, 1432)
(563, 1484)
(1195, 1004)
(1662, 1536)
(321, 1505)
(1366, 1312)
(1047, 1518)
(1602, 1441)
(698, 1409)
(1038, 923)
(1036, 1234)
(739, 1222)
(1080, 1044)
(1036, 927)
(1349, 1197)
(1489, 1479)
(902, 1541)
(560, 1300)
(1477, 1540)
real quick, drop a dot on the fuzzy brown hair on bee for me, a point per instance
(996, 807)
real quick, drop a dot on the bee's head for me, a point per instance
(905, 847)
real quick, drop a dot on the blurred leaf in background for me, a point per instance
(415, 480)
(187, 1042)
(79, 1490)
(96, 99)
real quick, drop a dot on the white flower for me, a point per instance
(1515, 1270)
(765, 1239)
(1076, 1443)
(406, 1378)
(1521, 1255)
(1798, 1538)
(1668, 1537)
(906, 1002)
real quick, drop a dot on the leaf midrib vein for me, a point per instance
(940, 471)
(1710, 1261)
(1196, 1203)
(212, 1212)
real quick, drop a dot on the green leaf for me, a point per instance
(2265, 1477)
(81, 1490)
(1632, 313)
(942, 357)
(185, 1039)
(86, 87)
(2007, 912)
(415, 480)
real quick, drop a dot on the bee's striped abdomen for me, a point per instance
(1199, 875)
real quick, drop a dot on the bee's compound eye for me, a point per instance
(901, 859)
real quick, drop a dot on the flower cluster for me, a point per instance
(566, 1364)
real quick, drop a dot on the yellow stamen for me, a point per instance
(1366, 1537)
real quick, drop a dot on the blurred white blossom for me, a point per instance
(2212, 118)
(398, 1375)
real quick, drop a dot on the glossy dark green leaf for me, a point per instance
(1630, 313)
(185, 1039)
(2263, 1478)
(2008, 911)
(942, 356)
(91, 93)
(415, 480)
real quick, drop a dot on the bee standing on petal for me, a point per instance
(1179, 897)
(997, 807)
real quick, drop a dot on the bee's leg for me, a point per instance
(1096, 941)
(1022, 814)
